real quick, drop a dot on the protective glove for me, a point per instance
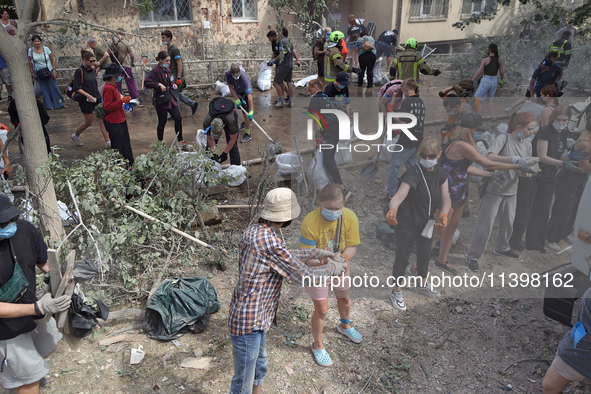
(250, 113)
(222, 158)
(48, 305)
(322, 254)
(499, 177)
(356, 70)
(572, 166)
(126, 99)
(271, 63)
(391, 217)
(441, 221)
(436, 72)
(179, 82)
(524, 167)
(578, 154)
(215, 158)
(339, 267)
(238, 103)
(501, 83)
(519, 160)
(127, 107)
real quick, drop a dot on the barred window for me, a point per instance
(470, 7)
(167, 12)
(244, 10)
(429, 9)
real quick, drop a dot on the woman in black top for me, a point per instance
(490, 67)
(533, 206)
(88, 96)
(422, 189)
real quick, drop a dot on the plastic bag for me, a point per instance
(533, 108)
(385, 154)
(222, 88)
(264, 78)
(343, 154)
(302, 83)
(316, 171)
(288, 163)
(201, 139)
(237, 173)
(481, 148)
(377, 72)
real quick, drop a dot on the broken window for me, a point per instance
(244, 9)
(429, 9)
(167, 12)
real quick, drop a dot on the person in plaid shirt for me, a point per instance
(263, 263)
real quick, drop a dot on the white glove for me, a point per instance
(134, 101)
(321, 254)
(519, 160)
(339, 267)
(48, 305)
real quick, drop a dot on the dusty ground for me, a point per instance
(463, 340)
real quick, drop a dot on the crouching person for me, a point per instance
(262, 264)
(26, 338)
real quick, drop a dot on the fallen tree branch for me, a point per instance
(526, 359)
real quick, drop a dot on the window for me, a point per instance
(476, 6)
(244, 10)
(168, 12)
(429, 9)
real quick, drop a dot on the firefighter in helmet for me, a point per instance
(409, 63)
(334, 61)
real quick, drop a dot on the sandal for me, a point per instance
(350, 333)
(321, 356)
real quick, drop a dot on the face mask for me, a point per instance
(285, 224)
(452, 113)
(164, 65)
(331, 216)
(520, 136)
(236, 78)
(118, 79)
(164, 43)
(559, 126)
(8, 231)
(341, 86)
(328, 36)
(428, 163)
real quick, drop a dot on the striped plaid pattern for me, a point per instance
(263, 263)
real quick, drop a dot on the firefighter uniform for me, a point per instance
(564, 49)
(408, 65)
(334, 64)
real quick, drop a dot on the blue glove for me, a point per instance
(271, 63)
(578, 154)
(127, 107)
(572, 166)
(238, 103)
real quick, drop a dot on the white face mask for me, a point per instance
(558, 126)
(428, 163)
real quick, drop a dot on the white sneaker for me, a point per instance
(428, 290)
(108, 145)
(570, 238)
(279, 103)
(397, 300)
(76, 140)
(553, 245)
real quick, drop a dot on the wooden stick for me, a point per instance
(110, 341)
(55, 271)
(233, 206)
(62, 317)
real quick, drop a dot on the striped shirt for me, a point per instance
(263, 263)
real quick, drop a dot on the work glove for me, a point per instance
(441, 221)
(524, 167)
(519, 160)
(322, 254)
(501, 83)
(132, 65)
(179, 82)
(436, 72)
(572, 166)
(222, 158)
(238, 103)
(48, 305)
(127, 107)
(499, 177)
(391, 217)
(269, 64)
(215, 157)
(126, 99)
(579, 154)
(250, 113)
(339, 267)
(356, 70)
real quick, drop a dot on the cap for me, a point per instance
(546, 63)
(280, 205)
(217, 128)
(235, 70)
(112, 70)
(343, 78)
(7, 210)
(471, 120)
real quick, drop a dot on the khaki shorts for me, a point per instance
(5, 76)
(341, 290)
(25, 354)
(566, 371)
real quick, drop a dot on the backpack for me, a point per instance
(578, 120)
(69, 88)
(219, 107)
(367, 46)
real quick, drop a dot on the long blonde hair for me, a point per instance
(464, 134)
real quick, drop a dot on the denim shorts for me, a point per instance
(487, 87)
(250, 361)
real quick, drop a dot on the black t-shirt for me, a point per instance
(388, 36)
(175, 54)
(275, 48)
(357, 29)
(339, 99)
(321, 101)
(89, 85)
(30, 251)
(413, 105)
(416, 204)
(556, 146)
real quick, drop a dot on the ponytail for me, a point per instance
(519, 119)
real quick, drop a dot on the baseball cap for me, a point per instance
(546, 63)
(217, 128)
(235, 70)
(343, 78)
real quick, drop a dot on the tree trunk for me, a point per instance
(40, 183)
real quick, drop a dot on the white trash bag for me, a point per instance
(343, 154)
(317, 173)
(222, 88)
(237, 173)
(201, 139)
(288, 163)
(302, 83)
(264, 78)
(385, 154)
(377, 72)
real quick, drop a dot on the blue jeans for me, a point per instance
(250, 361)
(487, 87)
(408, 157)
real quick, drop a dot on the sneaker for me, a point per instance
(569, 238)
(427, 290)
(194, 108)
(76, 140)
(242, 126)
(108, 145)
(446, 267)
(397, 300)
(412, 270)
(510, 254)
(246, 137)
(280, 102)
(289, 103)
(509, 110)
(347, 194)
(553, 245)
(472, 265)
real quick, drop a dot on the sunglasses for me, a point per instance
(429, 157)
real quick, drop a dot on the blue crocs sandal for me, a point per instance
(350, 333)
(321, 357)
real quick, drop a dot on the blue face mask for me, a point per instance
(341, 86)
(118, 79)
(520, 136)
(164, 65)
(8, 231)
(452, 113)
(164, 43)
(331, 216)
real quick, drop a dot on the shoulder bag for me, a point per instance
(44, 74)
(428, 230)
(17, 285)
(484, 181)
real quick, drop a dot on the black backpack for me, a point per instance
(219, 107)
